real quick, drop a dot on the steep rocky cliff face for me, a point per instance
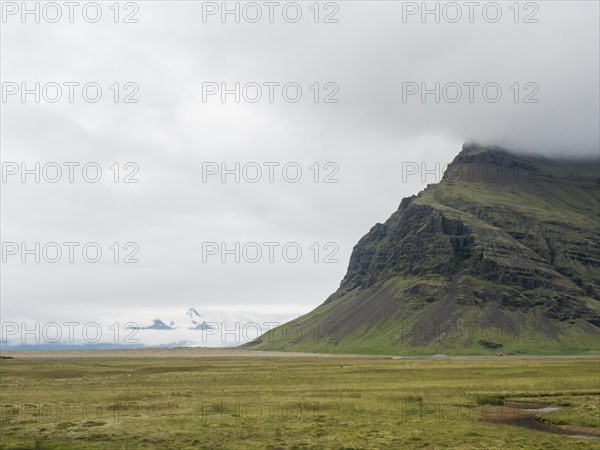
(504, 253)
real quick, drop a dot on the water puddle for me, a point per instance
(543, 410)
(525, 415)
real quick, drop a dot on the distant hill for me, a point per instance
(503, 255)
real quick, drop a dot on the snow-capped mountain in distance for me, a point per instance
(198, 323)
(163, 327)
(215, 319)
(211, 328)
(156, 325)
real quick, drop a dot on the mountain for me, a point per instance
(187, 329)
(157, 324)
(197, 322)
(502, 254)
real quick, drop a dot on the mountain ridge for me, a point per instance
(503, 242)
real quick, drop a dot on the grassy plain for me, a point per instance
(244, 400)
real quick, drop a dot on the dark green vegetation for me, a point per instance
(295, 403)
(503, 255)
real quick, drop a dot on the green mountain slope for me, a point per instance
(503, 255)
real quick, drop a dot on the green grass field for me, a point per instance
(236, 401)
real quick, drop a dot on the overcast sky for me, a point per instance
(370, 61)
